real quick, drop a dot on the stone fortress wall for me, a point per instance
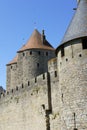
(30, 105)
(56, 99)
(72, 67)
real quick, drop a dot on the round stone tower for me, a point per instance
(72, 68)
(33, 57)
(32, 60)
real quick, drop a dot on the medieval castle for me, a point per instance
(47, 88)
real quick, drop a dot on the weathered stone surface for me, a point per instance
(27, 107)
(73, 86)
(53, 96)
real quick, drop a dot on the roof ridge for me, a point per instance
(35, 41)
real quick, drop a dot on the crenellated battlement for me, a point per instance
(72, 68)
(72, 51)
(31, 86)
(47, 91)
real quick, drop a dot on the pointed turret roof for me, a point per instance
(78, 25)
(37, 41)
(14, 61)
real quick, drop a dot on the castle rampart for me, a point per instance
(45, 92)
(29, 102)
(72, 66)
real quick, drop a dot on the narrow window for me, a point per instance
(84, 43)
(43, 76)
(22, 86)
(16, 88)
(28, 83)
(12, 90)
(80, 55)
(62, 51)
(55, 73)
(62, 97)
(46, 53)
(11, 67)
(30, 52)
(75, 121)
(35, 80)
(39, 53)
(23, 54)
(66, 59)
(43, 106)
(38, 65)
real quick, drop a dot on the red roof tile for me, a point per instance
(36, 42)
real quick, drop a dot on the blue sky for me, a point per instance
(19, 18)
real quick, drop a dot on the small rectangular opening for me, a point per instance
(16, 88)
(35, 80)
(84, 43)
(43, 76)
(46, 53)
(62, 51)
(23, 54)
(28, 83)
(22, 86)
(55, 73)
(39, 52)
(12, 90)
(38, 65)
(30, 52)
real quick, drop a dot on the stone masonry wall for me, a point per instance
(22, 108)
(8, 77)
(20, 69)
(32, 63)
(52, 65)
(29, 106)
(11, 76)
(72, 69)
(55, 97)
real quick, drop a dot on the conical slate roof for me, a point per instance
(36, 41)
(78, 25)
